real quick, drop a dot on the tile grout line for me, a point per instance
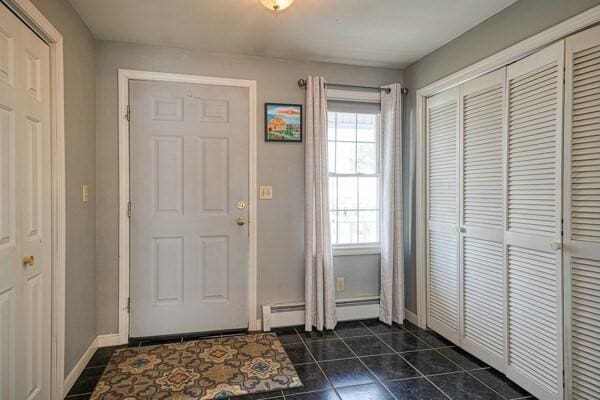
(452, 361)
(491, 388)
(463, 369)
(404, 331)
(416, 369)
(340, 338)
(468, 372)
(431, 346)
(425, 377)
(335, 359)
(365, 365)
(382, 354)
(318, 366)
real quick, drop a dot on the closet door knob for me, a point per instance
(555, 245)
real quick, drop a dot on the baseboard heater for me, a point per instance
(291, 314)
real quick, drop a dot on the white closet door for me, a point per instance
(533, 235)
(582, 214)
(442, 244)
(482, 205)
(25, 212)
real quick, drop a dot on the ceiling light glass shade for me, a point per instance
(276, 5)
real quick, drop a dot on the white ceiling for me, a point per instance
(381, 33)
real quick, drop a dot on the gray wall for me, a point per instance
(91, 89)
(511, 25)
(80, 137)
(280, 221)
(360, 273)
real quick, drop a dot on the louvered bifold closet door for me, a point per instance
(533, 235)
(582, 215)
(482, 230)
(443, 213)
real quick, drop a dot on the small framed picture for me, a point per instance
(283, 122)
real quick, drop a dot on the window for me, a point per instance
(354, 177)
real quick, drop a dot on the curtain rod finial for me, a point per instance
(404, 90)
(302, 82)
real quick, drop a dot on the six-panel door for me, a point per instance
(189, 194)
(25, 218)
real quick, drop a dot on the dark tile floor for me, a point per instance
(364, 360)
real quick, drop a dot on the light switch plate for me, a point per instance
(266, 192)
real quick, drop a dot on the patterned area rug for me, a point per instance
(198, 370)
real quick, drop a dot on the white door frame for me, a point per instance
(40, 25)
(498, 60)
(125, 75)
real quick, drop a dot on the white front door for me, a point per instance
(189, 193)
(25, 212)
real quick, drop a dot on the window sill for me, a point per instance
(356, 250)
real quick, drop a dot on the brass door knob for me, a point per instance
(240, 221)
(29, 261)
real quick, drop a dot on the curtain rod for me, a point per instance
(302, 84)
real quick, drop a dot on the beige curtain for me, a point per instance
(391, 307)
(318, 263)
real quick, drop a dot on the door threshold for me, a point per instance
(184, 337)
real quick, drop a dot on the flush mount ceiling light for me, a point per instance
(276, 5)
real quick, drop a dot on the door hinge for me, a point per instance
(128, 113)
(129, 304)
(129, 208)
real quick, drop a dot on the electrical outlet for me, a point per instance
(340, 284)
(85, 193)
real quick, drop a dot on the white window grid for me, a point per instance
(358, 175)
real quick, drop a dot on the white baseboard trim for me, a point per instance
(368, 310)
(108, 340)
(411, 317)
(283, 319)
(79, 367)
(99, 341)
(292, 314)
(282, 315)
